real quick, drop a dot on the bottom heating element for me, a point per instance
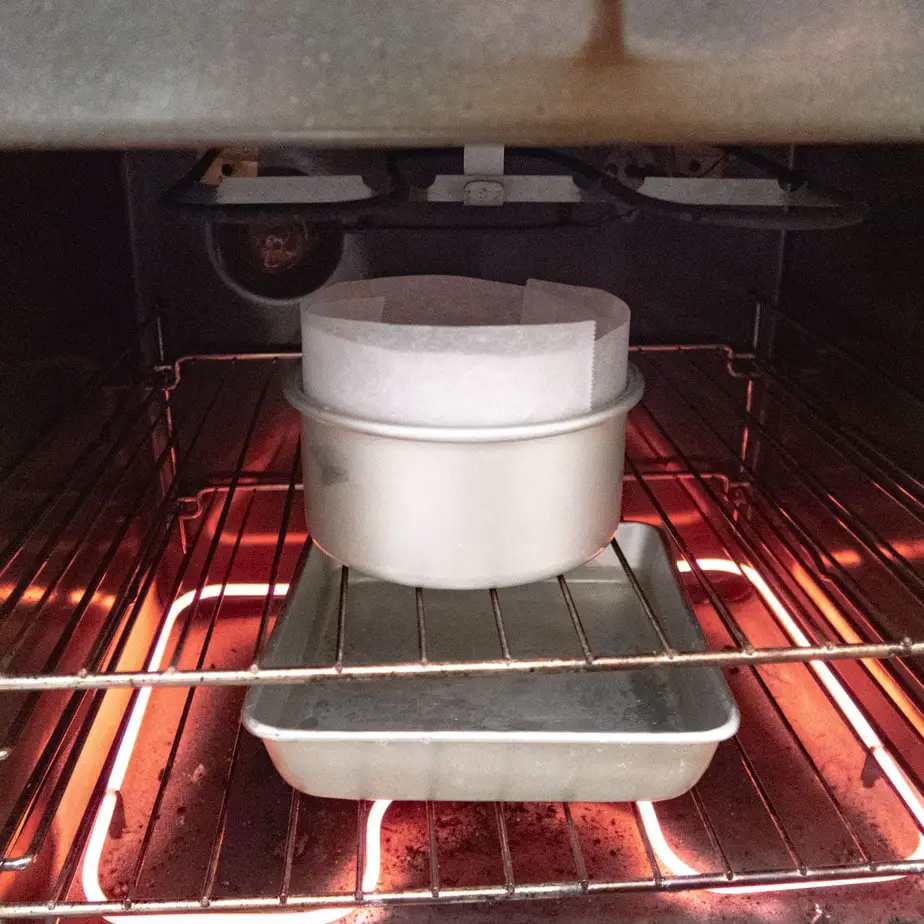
(484, 851)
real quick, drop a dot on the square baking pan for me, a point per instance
(588, 736)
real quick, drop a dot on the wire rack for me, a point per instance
(176, 522)
(704, 436)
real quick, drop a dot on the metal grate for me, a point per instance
(797, 542)
(697, 430)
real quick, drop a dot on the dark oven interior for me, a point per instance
(152, 522)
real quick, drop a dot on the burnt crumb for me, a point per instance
(416, 858)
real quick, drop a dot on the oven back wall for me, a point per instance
(66, 289)
(682, 283)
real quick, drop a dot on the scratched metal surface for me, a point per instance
(106, 73)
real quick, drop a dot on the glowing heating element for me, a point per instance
(663, 850)
(848, 708)
(94, 851)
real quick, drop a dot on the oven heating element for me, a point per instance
(648, 813)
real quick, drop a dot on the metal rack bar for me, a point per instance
(56, 745)
(86, 390)
(25, 582)
(291, 841)
(856, 526)
(277, 557)
(874, 375)
(846, 584)
(539, 891)
(751, 551)
(579, 631)
(69, 867)
(434, 855)
(907, 483)
(360, 848)
(499, 625)
(756, 674)
(341, 618)
(649, 849)
(580, 866)
(222, 677)
(651, 614)
(218, 836)
(421, 624)
(711, 832)
(42, 772)
(723, 612)
(659, 881)
(810, 761)
(745, 546)
(63, 484)
(132, 593)
(220, 525)
(270, 483)
(167, 771)
(833, 438)
(51, 542)
(755, 552)
(724, 615)
(768, 804)
(506, 858)
(865, 614)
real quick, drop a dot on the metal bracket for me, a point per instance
(486, 163)
(490, 189)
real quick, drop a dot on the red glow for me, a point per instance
(836, 618)
(848, 708)
(666, 856)
(90, 871)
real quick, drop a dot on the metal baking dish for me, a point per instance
(587, 736)
(460, 508)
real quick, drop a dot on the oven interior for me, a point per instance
(153, 521)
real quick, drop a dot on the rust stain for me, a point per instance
(606, 43)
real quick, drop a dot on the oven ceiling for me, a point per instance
(448, 71)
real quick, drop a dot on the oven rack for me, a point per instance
(711, 452)
(185, 493)
(769, 802)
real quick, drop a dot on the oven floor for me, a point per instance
(252, 855)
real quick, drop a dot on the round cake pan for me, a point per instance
(463, 508)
